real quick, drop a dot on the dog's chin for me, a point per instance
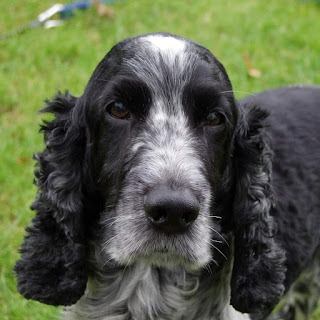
(159, 250)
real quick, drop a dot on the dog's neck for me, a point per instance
(143, 292)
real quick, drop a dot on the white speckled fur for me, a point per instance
(145, 293)
(169, 46)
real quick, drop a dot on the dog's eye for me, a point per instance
(118, 110)
(214, 119)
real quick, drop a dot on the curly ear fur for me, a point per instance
(258, 272)
(51, 268)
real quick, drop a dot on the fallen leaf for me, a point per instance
(103, 10)
(22, 160)
(252, 72)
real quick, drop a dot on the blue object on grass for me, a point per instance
(68, 10)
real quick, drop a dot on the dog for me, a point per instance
(160, 196)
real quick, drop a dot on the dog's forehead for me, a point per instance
(163, 60)
(165, 45)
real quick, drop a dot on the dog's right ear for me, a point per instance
(259, 262)
(51, 268)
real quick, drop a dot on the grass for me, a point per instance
(280, 37)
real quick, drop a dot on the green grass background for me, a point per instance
(281, 37)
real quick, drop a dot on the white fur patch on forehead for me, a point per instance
(166, 44)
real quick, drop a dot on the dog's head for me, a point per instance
(156, 159)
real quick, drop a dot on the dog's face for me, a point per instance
(161, 116)
(152, 163)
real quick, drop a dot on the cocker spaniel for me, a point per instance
(162, 197)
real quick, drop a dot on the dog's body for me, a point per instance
(158, 186)
(293, 127)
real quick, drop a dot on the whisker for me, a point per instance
(116, 220)
(219, 251)
(225, 241)
(105, 244)
(238, 91)
(214, 240)
(108, 219)
(119, 219)
(215, 262)
(207, 267)
(213, 246)
(215, 217)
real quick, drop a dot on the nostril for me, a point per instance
(190, 215)
(157, 215)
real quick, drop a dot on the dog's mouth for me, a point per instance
(165, 258)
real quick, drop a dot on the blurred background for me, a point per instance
(262, 44)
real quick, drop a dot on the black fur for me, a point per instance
(52, 264)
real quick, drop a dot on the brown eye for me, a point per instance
(214, 119)
(118, 110)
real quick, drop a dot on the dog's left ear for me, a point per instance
(258, 271)
(51, 268)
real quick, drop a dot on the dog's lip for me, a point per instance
(167, 258)
(164, 250)
(166, 253)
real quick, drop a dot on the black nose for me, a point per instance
(171, 211)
